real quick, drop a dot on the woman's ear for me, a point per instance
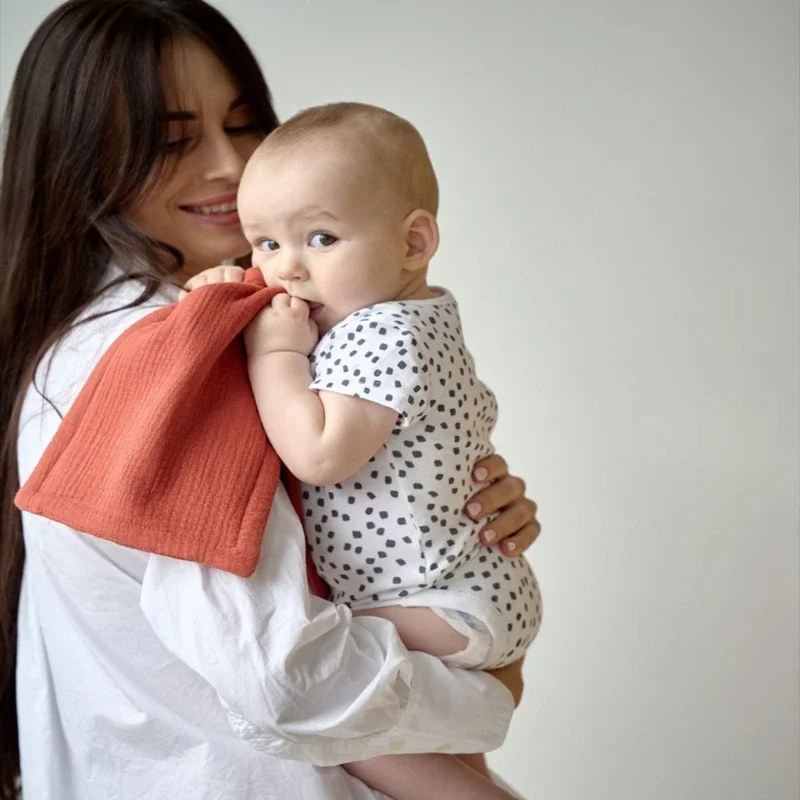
(422, 239)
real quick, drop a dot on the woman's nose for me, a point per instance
(224, 160)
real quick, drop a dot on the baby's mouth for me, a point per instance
(315, 308)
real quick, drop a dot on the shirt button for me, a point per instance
(395, 747)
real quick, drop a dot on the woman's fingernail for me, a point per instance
(489, 536)
(473, 509)
(481, 474)
(511, 547)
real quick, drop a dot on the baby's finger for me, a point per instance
(212, 275)
(232, 274)
(196, 282)
(298, 304)
(280, 301)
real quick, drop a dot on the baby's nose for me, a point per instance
(292, 269)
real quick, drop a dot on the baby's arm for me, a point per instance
(322, 437)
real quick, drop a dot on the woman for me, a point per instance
(127, 129)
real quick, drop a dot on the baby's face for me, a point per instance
(320, 231)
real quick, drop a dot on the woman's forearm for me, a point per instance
(300, 677)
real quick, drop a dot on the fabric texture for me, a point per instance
(163, 450)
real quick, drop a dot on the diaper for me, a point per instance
(478, 636)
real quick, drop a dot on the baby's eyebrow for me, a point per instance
(315, 212)
(302, 214)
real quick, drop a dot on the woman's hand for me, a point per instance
(515, 528)
(511, 677)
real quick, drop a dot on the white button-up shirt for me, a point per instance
(142, 677)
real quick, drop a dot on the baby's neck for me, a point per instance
(416, 288)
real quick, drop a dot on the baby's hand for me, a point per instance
(222, 274)
(284, 325)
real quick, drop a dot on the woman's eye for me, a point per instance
(268, 245)
(239, 130)
(322, 240)
(177, 145)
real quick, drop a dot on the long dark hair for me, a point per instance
(84, 133)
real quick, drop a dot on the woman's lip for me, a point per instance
(211, 201)
(220, 220)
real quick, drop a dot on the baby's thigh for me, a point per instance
(421, 629)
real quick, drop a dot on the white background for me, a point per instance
(620, 224)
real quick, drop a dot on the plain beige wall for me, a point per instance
(620, 224)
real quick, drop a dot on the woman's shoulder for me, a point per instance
(64, 369)
(117, 299)
(66, 366)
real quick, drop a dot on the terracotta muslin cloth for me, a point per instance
(163, 449)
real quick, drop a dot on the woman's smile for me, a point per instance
(220, 210)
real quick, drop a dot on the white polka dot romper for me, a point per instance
(394, 533)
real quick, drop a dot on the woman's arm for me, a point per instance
(300, 677)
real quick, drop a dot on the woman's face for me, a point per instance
(211, 136)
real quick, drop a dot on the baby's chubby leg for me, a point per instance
(426, 776)
(434, 775)
(421, 629)
(476, 761)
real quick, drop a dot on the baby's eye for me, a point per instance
(322, 240)
(268, 245)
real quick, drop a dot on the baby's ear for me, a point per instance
(422, 238)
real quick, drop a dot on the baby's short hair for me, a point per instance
(390, 146)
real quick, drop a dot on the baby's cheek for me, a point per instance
(257, 260)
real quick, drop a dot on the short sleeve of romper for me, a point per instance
(375, 354)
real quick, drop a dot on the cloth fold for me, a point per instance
(163, 449)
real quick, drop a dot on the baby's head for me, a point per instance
(339, 204)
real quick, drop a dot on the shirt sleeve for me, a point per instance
(299, 677)
(375, 355)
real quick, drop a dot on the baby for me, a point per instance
(369, 395)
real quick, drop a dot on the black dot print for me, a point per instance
(397, 526)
